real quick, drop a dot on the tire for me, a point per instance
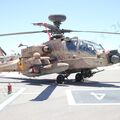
(60, 79)
(79, 77)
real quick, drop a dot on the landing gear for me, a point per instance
(60, 79)
(86, 73)
(79, 77)
(83, 74)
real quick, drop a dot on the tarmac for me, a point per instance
(41, 98)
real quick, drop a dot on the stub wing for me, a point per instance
(9, 66)
(48, 69)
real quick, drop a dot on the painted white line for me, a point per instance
(98, 96)
(95, 104)
(91, 89)
(70, 98)
(25, 93)
(9, 100)
(35, 93)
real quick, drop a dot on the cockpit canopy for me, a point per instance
(74, 44)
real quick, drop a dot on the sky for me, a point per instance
(99, 15)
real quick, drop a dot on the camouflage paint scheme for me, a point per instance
(76, 59)
(63, 58)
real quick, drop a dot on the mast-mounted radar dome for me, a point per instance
(57, 19)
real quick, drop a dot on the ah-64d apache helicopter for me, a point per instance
(62, 55)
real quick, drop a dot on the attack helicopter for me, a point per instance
(61, 54)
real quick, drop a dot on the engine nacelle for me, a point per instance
(114, 56)
(46, 49)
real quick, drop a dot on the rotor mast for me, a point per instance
(57, 20)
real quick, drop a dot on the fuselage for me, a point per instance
(65, 55)
(79, 54)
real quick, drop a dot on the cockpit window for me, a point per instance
(98, 47)
(84, 46)
(72, 45)
(90, 47)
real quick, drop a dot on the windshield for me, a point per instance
(94, 45)
(72, 44)
(90, 47)
(98, 46)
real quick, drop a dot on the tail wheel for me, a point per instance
(60, 79)
(79, 77)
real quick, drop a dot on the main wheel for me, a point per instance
(60, 79)
(79, 77)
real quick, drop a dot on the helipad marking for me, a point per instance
(98, 96)
(9, 100)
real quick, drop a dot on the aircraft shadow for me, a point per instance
(39, 82)
(45, 94)
(100, 84)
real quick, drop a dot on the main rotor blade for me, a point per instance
(21, 33)
(99, 32)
